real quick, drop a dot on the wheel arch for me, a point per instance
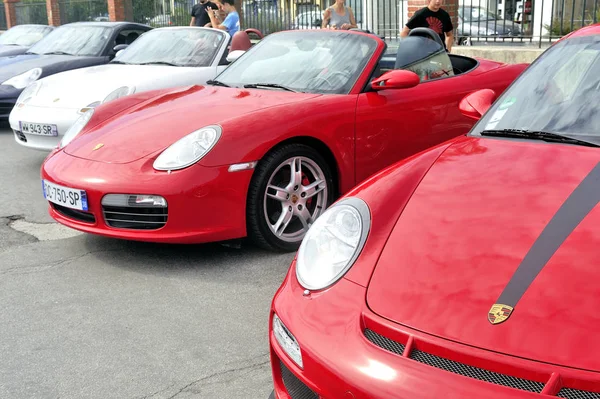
(322, 148)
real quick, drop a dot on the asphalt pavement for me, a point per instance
(83, 316)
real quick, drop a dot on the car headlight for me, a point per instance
(189, 149)
(23, 80)
(118, 93)
(333, 243)
(76, 128)
(29, 92)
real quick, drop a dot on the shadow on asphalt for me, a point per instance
(157, 258)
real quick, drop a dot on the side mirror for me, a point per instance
(234, 55)
(396, 79)
(476, 104)
(120, 47)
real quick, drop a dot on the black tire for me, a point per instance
(272, 167)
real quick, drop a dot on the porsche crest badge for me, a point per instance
(98, 146)
(499, 312)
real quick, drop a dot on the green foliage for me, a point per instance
(567, 27)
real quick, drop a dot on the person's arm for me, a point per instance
(352, 23)
(326, 17)
(449, 40)
(412, 23)
(449, 30)
(193, 20)
(213, 21)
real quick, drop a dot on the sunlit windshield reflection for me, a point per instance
(24, 35)
(309, 61)
(179, 46)
(74, 40)
(559, 93)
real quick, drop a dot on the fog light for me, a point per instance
(149, 200)
(287, 341)
(133, 200)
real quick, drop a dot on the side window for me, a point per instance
(128, 36)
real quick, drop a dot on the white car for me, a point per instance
(160, 58)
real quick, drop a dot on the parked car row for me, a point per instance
(443, 208)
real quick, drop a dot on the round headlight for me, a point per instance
(29, 92)
(23, 80)
(189, 149)
(333, 243)
(76, 128)
(118, 93)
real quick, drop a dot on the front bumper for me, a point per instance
(63, 118)
(351, 353)
(205, 204)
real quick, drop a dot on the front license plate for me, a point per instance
(65, 196)
(42, 129)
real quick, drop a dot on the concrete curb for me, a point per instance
(509, 55)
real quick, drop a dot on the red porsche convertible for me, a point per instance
(466, 271)
(266, 147)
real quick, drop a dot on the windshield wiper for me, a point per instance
(159, 63)
(216, 83)
(273, 85)
(57, 53)
(119, 62)
(537, 135)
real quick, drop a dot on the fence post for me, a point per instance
(11, 14)
(120, 10)
(53, 10)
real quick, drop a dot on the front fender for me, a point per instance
(387, 193)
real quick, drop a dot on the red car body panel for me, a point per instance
(214, 188)
(458, 257)
(359, 132)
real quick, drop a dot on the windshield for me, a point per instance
(192, 47)
(74, 40)
(559, 93)
(476, 14)
(24, 35)
(319, 61)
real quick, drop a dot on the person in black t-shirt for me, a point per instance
(199, 15)
(433, 17)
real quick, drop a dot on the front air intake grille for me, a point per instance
(455, 367)
(135, 218)
(571, 393)
(475, 372)
(295, 388)
(384, 342)
(75, 214)
(20, 136)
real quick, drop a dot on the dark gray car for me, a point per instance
(70, 46)
(478, 22)
(20, 38)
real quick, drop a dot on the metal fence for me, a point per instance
(31, 13)
(523, 21)
(158, 13)
(83, 10)
(478, 21)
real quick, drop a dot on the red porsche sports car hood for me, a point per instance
(158, 122)
(500, 222)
